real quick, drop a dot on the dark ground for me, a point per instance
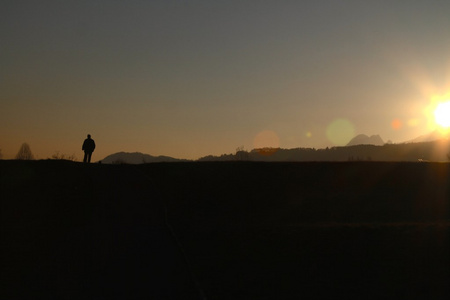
(75, 231)
(248, 230)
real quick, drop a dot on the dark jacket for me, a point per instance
(88, 145)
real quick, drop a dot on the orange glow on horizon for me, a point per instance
(442, 114)
(266, 139)
(438, 113)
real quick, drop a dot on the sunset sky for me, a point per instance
(192, 78)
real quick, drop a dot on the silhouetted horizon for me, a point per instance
(193, 78)
(433, 151)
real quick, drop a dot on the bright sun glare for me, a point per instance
(442, 114)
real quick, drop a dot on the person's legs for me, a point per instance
(89, 157)
(85, 156)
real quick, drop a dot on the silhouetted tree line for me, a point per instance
(427, 151)
(24, 152)
(62, 156)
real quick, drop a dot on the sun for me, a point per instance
(442, 114)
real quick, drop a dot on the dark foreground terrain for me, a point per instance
(225, 230)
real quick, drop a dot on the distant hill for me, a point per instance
(136, 158)
(430, 137)
(430, 147)
(426, 151)
(363, 139)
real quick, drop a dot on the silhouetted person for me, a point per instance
(88, 148)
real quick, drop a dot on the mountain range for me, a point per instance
(429, 137)
(376, 140)
(363, 139)
(360, 147)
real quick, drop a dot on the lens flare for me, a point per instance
(396, 124)
(340, 132)
(413, 122)
(266, 139)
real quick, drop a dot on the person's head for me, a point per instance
(89, 136)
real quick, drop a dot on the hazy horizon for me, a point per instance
(197, 78)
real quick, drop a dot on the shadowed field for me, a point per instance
(312, 230)
(74, 231)
(249, 230)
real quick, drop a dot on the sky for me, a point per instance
(193, 78)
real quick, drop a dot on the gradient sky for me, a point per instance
(192, 78)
